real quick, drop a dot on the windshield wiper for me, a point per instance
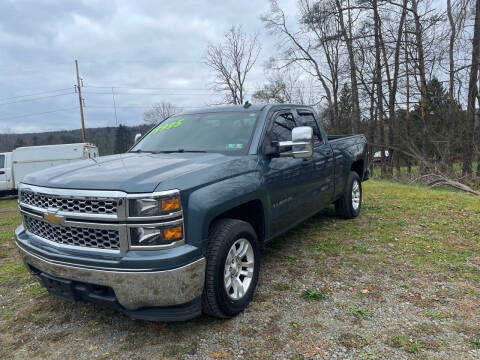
(141, 151)
(178, 151)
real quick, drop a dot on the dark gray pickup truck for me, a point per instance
(175, 226)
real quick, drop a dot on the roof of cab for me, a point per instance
(241, 108)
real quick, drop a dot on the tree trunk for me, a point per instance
(347, 36)
(378, 78)
(407, 114)
(423, 88)
(394, 128)
(472, 96)
(451, 86)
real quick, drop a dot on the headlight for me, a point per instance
(155, 236)
(147, 207)
(155, 221)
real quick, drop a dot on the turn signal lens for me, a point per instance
(173, 233)
(172, 204)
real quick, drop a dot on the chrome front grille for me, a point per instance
(74, 205)
(89, 219)
(73, 235)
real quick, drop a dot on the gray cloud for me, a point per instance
(127, 44)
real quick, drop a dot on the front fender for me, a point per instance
(207, 203)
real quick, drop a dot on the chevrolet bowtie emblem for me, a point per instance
(53, 218)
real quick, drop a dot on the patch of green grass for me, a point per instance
(330, 245)
(8, 202)
(360, 249)
(13, 271)
(476, 343)
(406, 343)
(435, 315)
(35, 289)
(291, 258)
(314, 295)
(360, 312)
(473, 292)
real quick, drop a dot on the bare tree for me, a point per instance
(160, 112)
(231, 61)
(472, 95)
(308, 48)
(286, 86)
(456, 19)
(346, 31)
(423, 81)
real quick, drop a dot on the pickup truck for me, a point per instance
(175, 226)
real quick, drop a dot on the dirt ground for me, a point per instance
(399, 282)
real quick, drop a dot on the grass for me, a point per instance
(360, 312)
(435, 315)
(410, 345)
(314, 295)
(437, 231)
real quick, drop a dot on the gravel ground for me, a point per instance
(329, 289)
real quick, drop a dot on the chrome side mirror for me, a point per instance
(301, 144)
(137, 137)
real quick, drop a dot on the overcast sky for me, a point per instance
(147, 47)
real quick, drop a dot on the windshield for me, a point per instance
(225, 132)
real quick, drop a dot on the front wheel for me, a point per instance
(233, 264)
(349, 205)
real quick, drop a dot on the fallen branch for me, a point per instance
(440, 180)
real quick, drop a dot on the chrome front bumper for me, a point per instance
(133, 289)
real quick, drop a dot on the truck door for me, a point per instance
(288, 180)
(323, 161)
(3, 173)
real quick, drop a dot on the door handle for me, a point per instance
(305, 162)
(2, 172)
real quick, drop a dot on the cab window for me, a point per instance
(2, 161)
(306, 118)
(282, 127)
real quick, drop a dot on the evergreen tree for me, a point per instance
(122, 140)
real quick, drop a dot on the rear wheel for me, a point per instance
(233, 264)
(349, 205)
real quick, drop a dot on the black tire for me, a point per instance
(344, 206)
(223, 234)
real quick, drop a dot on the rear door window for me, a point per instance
(306, 118)
(2, 161)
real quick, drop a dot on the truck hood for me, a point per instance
(139, 173)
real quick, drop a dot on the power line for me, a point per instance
(164, 94)
(38, 98)
(36, 94)
(144, 88)
(40, 113)
(141, 107)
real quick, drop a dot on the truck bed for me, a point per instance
(338, 137)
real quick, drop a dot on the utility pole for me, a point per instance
(80, 101)
(114, 107)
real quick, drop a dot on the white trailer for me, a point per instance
(15, 165)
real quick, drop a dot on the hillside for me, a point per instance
(103, 137)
